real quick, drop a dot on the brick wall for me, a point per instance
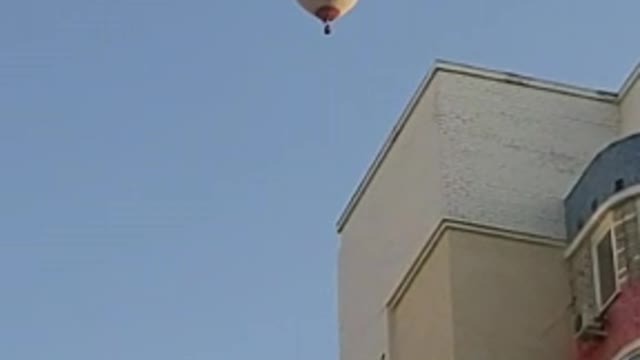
(622, 319)
(580, 263)
(623, 327)
(510, 153)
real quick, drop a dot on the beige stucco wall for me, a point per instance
(484, 296)
(630, 109)
(421, 323)
(383, 235)
(510, 299)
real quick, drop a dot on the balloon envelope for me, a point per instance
(328, 10)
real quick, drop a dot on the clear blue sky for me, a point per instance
(171, 171)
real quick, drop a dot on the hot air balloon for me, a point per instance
(327, 10)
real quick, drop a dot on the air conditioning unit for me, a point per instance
(587, 327)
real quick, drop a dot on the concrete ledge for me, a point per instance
(447, 224)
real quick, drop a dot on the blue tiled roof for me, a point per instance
(618, 165)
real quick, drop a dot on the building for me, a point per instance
(498, 221)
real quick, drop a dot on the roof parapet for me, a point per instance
(479, 72)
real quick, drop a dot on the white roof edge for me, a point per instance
(469, 70)
(527, 81)
(629, 82)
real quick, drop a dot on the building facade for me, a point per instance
(498, 221)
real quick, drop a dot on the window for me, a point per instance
(605, 269)
(629, 352)
(632, 356)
